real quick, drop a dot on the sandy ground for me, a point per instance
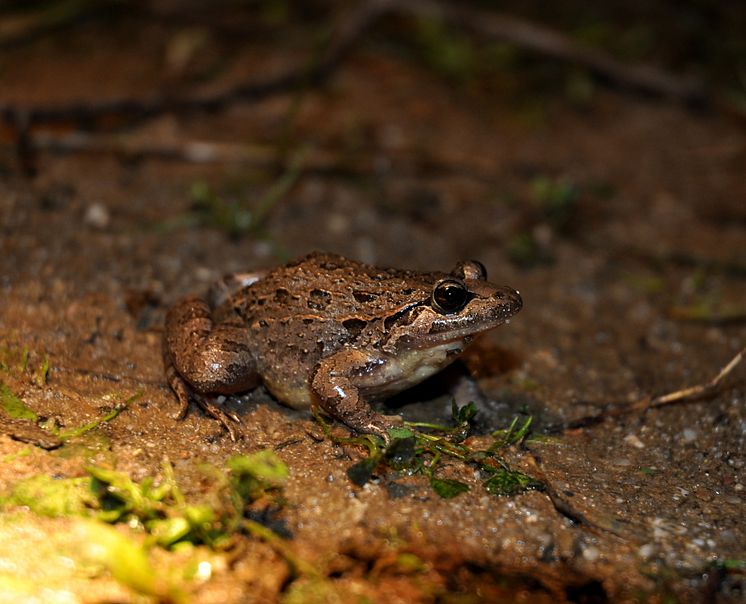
(637, 290)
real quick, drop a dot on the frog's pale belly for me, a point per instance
(296, 395)
(387, 376)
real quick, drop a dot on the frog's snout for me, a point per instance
(509, 298)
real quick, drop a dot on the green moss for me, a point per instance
(14, 406)
(48, 496)
(159, 508)
(412, 451)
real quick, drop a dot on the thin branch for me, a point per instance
(20, 27)
(551, 43)
(347, 33)
(699, 390)
(318, 160)
(696, 392)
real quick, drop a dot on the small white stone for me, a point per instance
(689, 435)
(633, 441)
(97, 216)
(591, 553)
(646, 551)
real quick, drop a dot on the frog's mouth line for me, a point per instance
(465, 335)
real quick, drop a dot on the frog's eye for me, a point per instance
(449, 296)
(471, 269)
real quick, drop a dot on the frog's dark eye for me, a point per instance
(449, 296)
(471, 269)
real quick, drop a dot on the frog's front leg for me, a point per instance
(335, 383)
(202, 358)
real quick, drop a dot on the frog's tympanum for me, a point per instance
(327, 331)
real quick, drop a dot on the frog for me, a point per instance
(327, 333)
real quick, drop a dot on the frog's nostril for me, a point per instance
(509, 296)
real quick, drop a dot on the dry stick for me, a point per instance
(22, 26)
(544, 40)
(318, 161)
(348, 32)
(691, 393)
(701, 389)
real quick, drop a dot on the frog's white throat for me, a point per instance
(410, 367)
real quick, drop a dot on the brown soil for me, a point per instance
(639, 291)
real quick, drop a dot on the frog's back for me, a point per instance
(314, 306)
(334, 288)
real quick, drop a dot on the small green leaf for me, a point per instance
(40, 377)
(168, 531)
(400, 453)
(447, 487)
(362, 471)
(461, 415)
(119, 495)
(52, 497)
(14, 406)
(264, 465)
(126, 560)
(253, 474)
(510, 482)
(81, 430)
(513, 435)
(399, 433)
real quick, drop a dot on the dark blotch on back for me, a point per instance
(404, 317)
(363, 297)
(354, 326)
(318, 299)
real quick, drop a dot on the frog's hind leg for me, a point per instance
(185, 394)
(202, 359)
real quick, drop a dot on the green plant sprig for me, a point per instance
(412, 451)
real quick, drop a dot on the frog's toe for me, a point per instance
(227, 418)
(181, 390)
(381, 424)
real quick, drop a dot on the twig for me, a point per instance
(20, 27)
(698, 391)
(317, 161)
(549, 42)
(136, 146)
(347, 33)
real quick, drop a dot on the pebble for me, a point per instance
(591, 553)
(646, 551)
(97, 215)
(633, 441)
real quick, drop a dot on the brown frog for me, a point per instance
(324, 330)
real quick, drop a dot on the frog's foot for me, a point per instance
(381, 424)
(185, 394)
(226, 417)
